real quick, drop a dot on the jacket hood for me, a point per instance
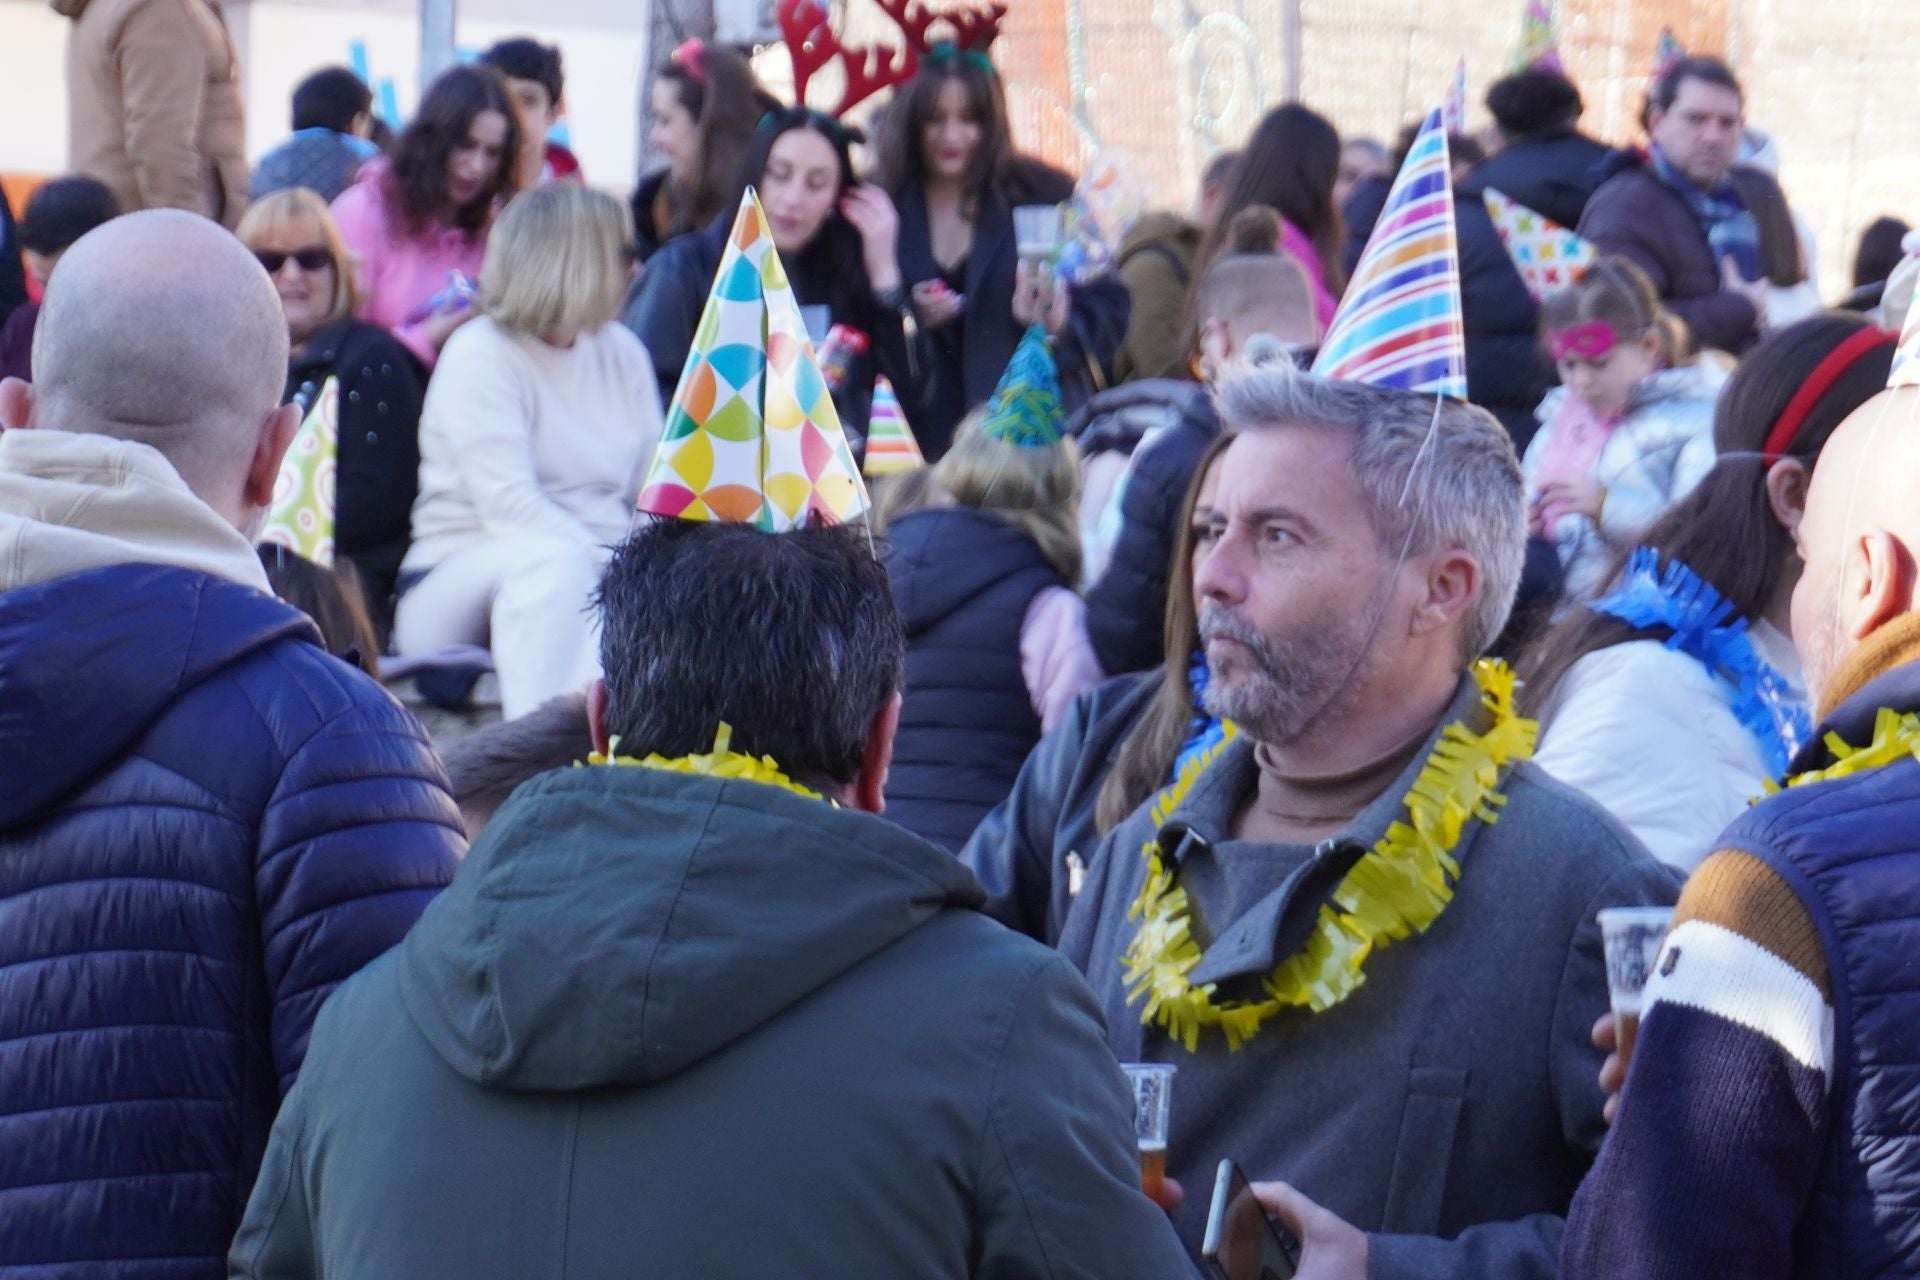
(615, 925)
(1553, 174)
(939, 560)
(89, 661)
(1170, 229)
(72, 501)
(1700, 380)
(1120, 417)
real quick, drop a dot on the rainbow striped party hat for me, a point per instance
(752, 435)
(1667, 52)
(891, 447)
(1399, 324)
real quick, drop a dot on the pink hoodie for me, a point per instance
(1295, 244)
(400, 271)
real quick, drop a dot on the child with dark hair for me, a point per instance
(58, 214)
(333, 598)
(538, 83)
(332, 132)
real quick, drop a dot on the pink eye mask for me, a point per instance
(1589, 341)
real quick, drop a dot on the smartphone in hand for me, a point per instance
(1242, 1242)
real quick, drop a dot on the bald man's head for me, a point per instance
(1860, 536)
(161, 328)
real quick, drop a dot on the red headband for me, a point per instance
(1825, 374)
(691, 57)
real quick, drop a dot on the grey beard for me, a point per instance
(1277, 699)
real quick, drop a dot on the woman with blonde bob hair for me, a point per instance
(539, 425)
(983, 554)
(380, 385)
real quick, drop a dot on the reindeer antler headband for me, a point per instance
(812, 45)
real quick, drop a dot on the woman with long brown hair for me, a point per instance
(417, 226)
(700, 115)
(1290, 164)
(947, 159)
(1674, 697)
(1116, 746)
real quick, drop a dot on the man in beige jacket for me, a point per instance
(153, 104)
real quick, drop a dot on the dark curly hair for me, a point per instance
(416, 186)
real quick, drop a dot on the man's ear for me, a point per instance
(1787, 493)
(276, 434)
(1453, 583)
(1883, 570)
(597, 716)
(869, 788)
(16, 404)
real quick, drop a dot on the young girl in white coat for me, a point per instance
(1675, 697)
(1629, 431)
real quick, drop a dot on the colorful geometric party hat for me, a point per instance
(1399, 324)
(1455, 109)
(1537, 47)
(1906, 356)
(891, 447)
(301, 518)
(1025, 409)
(752, 435)
(1548, 255)
(1667, 52)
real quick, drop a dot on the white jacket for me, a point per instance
(1658, 453)
(519, 438)
(1650, 735)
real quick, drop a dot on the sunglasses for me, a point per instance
(309, 260)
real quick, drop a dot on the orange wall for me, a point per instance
(18, 187)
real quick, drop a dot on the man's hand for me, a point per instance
(1169, 1194)
(1330, 1249)
(1754, 291)
(1613, 1072)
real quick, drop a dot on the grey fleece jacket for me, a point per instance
(1450, 1106)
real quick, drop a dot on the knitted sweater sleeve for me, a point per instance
(1717, 1145)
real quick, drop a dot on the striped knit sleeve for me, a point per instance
(1717, 1145)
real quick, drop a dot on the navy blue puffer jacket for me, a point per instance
(206, 823)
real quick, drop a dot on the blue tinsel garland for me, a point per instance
(1705, 629)
(1203, 731)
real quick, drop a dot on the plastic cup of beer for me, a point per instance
(1152, 1101)
(1036, 231)
(1633, 938)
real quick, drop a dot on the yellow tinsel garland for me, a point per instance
(721, 762)
(1398, 888)
(1895, 736)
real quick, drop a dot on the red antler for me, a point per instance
(812, 44)
(973, 29)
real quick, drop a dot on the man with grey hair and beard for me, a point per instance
(206, 821)
(1378, 998)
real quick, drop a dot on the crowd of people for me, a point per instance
(1185, 706)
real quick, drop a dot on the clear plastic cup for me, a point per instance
(1036, 230)
(1152, 1103)
(1633, 937)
